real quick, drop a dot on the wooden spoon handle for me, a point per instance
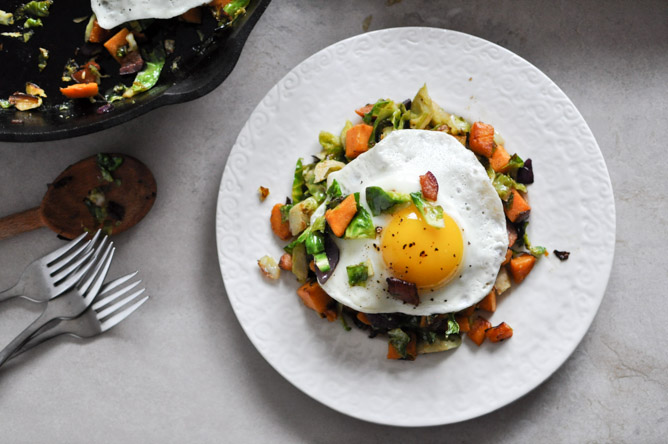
(20, 223)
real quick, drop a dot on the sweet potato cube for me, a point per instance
(464, 324)
(117, 41)
(499, 333)
(363, 110)
(499, 160)
(520, 266)
(330, 315)
(477, 331)
(314, 297)
(98, 34)
(193, 15)
(517, 208)
(468, 312)
(509, 256)
(285, 263)
(362, 318)
(481, 139)
(489, 302)
(357, 140)
(278, 226)
(339, 217)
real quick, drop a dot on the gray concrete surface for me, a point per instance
(182, 370)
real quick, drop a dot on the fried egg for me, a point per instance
(453, 267)
(111, 13)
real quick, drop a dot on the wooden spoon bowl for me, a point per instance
(126, 199)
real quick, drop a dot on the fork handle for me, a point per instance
(59, 307)
(23, 337)
(51, 330)
(21, 222)
(16, 290)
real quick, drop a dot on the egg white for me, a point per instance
(111, 13)
(465, 193)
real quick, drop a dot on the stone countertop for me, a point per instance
(182, 370)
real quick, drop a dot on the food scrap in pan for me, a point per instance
(135, 35)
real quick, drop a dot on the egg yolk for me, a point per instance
(416, 252)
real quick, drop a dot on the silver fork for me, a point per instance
(69, 305)
(96, 319)
(56, 272)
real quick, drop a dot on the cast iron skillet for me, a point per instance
(199, 74)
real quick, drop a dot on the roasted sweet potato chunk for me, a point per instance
(499, 333)
(517, 208)
(481, 139)
(477, 331)
(278, 226)
(521, 266)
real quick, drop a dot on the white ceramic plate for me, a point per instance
(573, 209)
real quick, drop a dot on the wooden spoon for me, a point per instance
(121, 202)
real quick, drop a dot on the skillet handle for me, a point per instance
(21, 222)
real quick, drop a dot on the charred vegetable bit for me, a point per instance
(406, 291)
(69, 69)
(429, 186)
(562, 255)
(25, 102)
(34, 90)
(499, 333)
(263, 193)
(42, 59)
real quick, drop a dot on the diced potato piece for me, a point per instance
(502, 281)
(269, 267)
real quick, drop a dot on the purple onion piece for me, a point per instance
(104, 108)
(332, 252)
(405, 291)
(131, 63)
(525, 174)
(385, 321)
